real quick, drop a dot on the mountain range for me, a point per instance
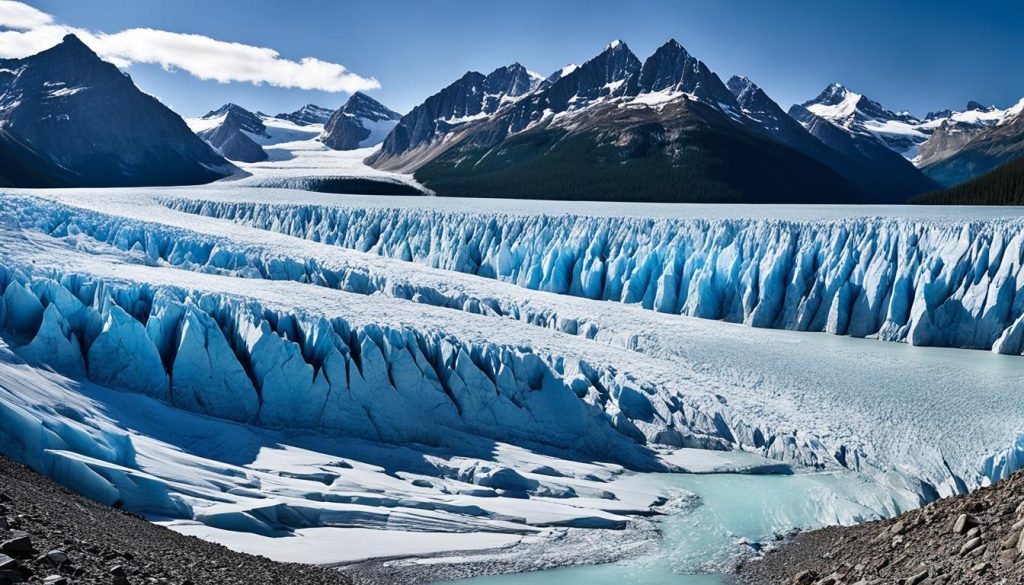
(240, 135)
(615, 127)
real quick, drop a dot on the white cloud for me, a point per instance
(30, 31)
(22, 16)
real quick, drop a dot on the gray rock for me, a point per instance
(963, 523)
(970, 545)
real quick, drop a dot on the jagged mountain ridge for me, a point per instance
(67, 118)
(988, 146)
(472, 96)
(860, 115)
(638, 115)
(308, 115)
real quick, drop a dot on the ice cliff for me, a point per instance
(924, 283)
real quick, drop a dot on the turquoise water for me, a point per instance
(699, 536)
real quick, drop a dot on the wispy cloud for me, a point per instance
(24, 31)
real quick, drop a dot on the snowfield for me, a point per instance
(327, 378)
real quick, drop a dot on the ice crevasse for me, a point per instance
(934, 283)
(234, 359)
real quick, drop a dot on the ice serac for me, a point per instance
(237, 360)
(927, 283)
(206, 376)
(122, 356)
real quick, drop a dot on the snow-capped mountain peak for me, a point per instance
(307, 115)
(361, 122)
(858, 114)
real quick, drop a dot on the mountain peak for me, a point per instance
(615, 45)
(226, 109)
(361, 105)
(833, 94)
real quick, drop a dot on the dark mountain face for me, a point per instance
(361, 122)
(231, 137)
(474, 94)
(363, 106)
(877, 168)
(614, 128)
(308, 115)
(685, 151)
(826, 144)
(75, 120)
(240, 117)
(672, 68)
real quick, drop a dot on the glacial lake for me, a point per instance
(701, 538)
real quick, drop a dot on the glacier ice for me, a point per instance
(922, 282)
(342, 372)
(236, 360)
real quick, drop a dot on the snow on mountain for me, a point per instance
(858, 114)
(360, 123)
(474, 96)
(951, 131)
(307, 115)
(232, 131)
(972, 143)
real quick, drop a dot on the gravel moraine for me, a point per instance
(977, 538)
(50, 535)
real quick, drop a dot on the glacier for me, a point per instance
(504, 349)
(948, 284)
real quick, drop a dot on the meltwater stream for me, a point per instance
(702, 537)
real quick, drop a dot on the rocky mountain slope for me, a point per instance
(50, 534)
(474, 96)
(951, 131)
(972, 539)
(361, 122)
(989, 147)
(879, 168)
(614, 128)
(232, 132)
(67, 118)
(872, 168)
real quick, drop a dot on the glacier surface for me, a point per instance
(949, 284)
(529, 354)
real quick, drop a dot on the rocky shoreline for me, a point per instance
(51, 535)
(976, 538)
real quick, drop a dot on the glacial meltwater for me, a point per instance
(724, 514)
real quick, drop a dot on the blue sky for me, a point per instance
(916, 55)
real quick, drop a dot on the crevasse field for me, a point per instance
(465, 387)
